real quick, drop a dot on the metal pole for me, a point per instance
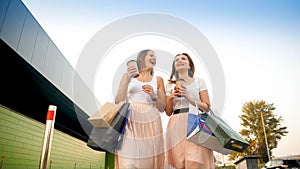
(263, 124)
(48, 133)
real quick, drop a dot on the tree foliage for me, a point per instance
(253, 113)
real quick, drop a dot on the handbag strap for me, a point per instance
(209, 109)
(197, 108)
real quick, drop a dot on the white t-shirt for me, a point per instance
(197, 85)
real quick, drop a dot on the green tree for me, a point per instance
(253, 132)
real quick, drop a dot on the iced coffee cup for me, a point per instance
(179, 83)
(134, 63)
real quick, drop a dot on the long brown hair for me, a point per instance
(174, 74)
(141, 59)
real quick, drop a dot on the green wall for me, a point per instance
(21, 140)
(109, 161)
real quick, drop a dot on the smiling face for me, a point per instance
(181, 63)
(146, 59)
(150, 59)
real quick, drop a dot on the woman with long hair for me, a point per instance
(142, 145)
(192, 93)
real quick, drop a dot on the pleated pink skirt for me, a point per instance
(180, 152)
(143, 144)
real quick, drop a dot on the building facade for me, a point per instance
(35, 74)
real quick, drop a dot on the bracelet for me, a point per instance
(208, 106)
(154, 99)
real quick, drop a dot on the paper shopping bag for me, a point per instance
(105, 115)
(227, 137)
(199, 133)
(110, 139)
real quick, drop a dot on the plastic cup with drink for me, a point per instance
(179, 83)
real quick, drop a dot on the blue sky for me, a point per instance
(257, 42)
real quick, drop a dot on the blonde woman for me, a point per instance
(142, 145)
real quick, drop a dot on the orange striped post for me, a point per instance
(48, 133)
(2, 161)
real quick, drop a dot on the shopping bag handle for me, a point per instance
(209, 109)
(197, 107)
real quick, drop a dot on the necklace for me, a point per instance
(187, 80)
(145, 78)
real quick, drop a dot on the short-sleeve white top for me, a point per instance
(197, 85)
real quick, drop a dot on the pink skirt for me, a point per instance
(143, 145)
(180, 152)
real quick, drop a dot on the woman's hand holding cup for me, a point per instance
(180, 83)
(132, 69)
